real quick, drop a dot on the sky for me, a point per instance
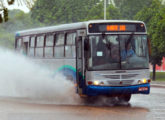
(23, 8)
(16, 6)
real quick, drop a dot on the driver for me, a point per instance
(128, 52)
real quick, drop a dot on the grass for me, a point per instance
(160, 76)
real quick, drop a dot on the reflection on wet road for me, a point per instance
(141, 107)
(155, 103)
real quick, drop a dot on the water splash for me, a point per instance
(20, 77)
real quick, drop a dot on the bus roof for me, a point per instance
(70, 26)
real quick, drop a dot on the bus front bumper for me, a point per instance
(92, 90)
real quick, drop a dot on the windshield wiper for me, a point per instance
(129, 40)
(108, 45)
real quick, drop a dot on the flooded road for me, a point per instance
(143, 107)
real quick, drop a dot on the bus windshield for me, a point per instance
(114, 52)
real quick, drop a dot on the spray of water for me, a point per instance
(20, 77)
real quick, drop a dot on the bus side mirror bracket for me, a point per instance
(86, 44)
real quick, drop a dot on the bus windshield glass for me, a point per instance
(115, 52)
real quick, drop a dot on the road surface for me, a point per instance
(141, 107)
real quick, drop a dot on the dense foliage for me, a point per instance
(62, 11)
(129, 8)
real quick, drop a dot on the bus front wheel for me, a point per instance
(124, 98)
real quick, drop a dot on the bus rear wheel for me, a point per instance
(124, 98)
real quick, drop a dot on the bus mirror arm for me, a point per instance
(86, 44)
(87, 52)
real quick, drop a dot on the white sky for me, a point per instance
(23, 8)
(15, 6)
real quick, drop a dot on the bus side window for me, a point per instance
(39, 46)
(32, 46)
(19, 43)
(26, 45)
(49, 45)
(70, 45)
(59, 46)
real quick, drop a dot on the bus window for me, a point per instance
(40, 41)
(32, 41)
(39, 46)
(71, 38)
(39, 52)
(141, 45)
(49, 45)
(26, 45)
(70, 45)
(31, 52)
(19, 43)
(60, 39)
(32, 46)
(59, 46)
(50, 40)
(48, 52)
(134, 51)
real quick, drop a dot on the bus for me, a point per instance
(102, 57)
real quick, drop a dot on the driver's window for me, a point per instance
(141, 45)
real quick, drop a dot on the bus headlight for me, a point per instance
(96, 83)
(143, 81)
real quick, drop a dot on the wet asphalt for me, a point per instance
(140, 107)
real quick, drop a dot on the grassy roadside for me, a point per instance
(160, 76)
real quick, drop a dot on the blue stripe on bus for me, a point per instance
(92, 90)
(67, 70)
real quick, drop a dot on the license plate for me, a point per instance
(143, 88)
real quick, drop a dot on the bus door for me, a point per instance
(79, 64)
(25, 48)
(25, 45)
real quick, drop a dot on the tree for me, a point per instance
(62, 11)
(113, 12)
(97, 12)
(129, 8)
(5, 3)
(155, 18)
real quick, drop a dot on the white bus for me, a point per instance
(102, 57)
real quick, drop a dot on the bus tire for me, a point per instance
(70, 78)
(124, 98)
(89, 100)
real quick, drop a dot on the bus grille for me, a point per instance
(127, 82)
(128, 76)
(112, 76)
(125, 76)
(120, 83)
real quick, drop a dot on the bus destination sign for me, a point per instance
(116, 27)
